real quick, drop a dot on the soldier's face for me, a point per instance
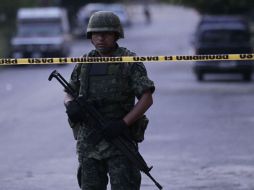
(104, 42)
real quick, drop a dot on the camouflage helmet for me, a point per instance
(104, 21)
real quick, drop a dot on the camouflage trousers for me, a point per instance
(123, 176)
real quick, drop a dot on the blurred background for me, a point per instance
(200, 134)
(78, 13)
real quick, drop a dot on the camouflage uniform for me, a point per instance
(113, 89)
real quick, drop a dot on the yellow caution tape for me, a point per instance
(62, 60)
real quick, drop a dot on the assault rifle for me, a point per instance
(132, 154)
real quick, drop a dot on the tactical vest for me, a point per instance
(108, 87)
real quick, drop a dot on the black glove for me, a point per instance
(114, 129)
(74, 112)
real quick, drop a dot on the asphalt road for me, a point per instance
(200, 135)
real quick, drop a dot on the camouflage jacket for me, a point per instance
(113, 88)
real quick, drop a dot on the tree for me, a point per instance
(218, 6)
(9, 8)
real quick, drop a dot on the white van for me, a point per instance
(41, 32)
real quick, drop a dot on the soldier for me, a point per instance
(112, 87)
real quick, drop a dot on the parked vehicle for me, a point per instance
(215, 19)
(223, 35)
(86, 11)
(41, 32)
(121, 12)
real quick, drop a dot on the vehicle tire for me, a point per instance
(247, 76)
(200, 76)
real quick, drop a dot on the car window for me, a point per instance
(224, 36)
(28, 29)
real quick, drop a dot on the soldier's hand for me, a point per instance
(114, 129)
(74, 111)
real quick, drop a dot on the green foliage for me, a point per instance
(218, 6)
(9, 8)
